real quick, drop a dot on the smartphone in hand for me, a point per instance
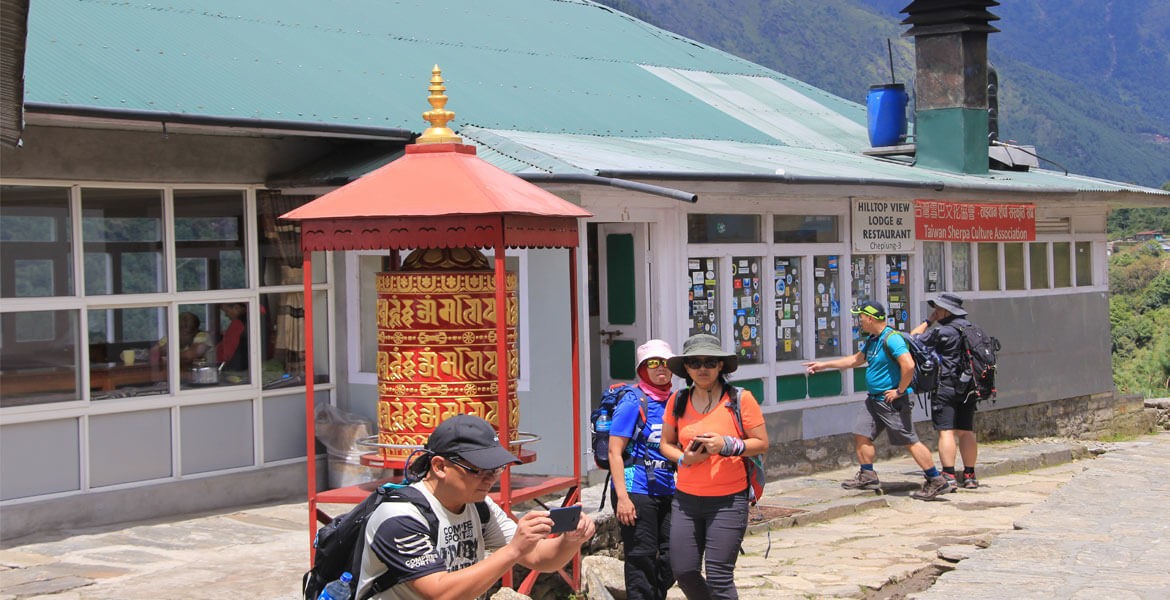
(696, 445)
(565, 518)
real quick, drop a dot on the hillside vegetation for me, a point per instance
(1082, 80)
(1139, 312)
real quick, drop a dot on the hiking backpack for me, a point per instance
(977, 360)
(926, 364)
(600, 439)
(339, 544)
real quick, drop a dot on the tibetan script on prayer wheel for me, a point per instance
(437, 353)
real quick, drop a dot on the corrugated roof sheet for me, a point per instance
(537, 65)
(550, 86)
(658, 156)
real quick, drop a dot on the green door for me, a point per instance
(623, 274)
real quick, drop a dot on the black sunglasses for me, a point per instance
(473, 471)
(708, 362)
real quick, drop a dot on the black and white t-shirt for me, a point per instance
(397, 539)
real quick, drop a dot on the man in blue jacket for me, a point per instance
(887, 404)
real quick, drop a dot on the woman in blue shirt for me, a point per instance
(643, 486)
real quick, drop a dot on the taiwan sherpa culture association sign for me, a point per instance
(937, 220)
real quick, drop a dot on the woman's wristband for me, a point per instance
(732, 446)
(680, 459)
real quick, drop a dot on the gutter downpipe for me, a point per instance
(624, 184)
(147, 116)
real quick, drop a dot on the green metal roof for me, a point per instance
(540, 86)
(536, 65)
(671, 158)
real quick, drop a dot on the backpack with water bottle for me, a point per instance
(600, 422)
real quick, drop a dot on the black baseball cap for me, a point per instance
(472, 439)
(871, 308)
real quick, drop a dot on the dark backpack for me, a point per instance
(600, 439)
(339, 544)
(926, 364)
(978, 362)
(754, 465)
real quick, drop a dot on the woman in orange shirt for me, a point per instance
(710, 509)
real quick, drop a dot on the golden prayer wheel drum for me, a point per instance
(437, 352)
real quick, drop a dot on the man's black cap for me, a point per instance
(472, 439)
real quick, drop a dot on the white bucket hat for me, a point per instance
(652, 349)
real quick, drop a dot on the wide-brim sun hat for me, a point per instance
(950, 303)
(702, 344)
(652, 349)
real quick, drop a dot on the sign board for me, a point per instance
(938, 220)
(883, 226)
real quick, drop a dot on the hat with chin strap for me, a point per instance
(702, 344)
(950, 303)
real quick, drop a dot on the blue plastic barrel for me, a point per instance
(885, 109)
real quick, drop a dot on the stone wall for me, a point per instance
(1096, 416)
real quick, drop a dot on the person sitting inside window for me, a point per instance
(193, 342)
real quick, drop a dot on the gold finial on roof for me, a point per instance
(438, 132)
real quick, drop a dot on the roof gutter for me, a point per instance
(164, 118)
(770, 178)
(624, 184)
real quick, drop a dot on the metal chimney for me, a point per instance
(950, 87)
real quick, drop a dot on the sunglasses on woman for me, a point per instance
(705, 363)
(474, 472)
(654, 363)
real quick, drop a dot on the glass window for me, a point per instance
(39, 352)
(960, 266)
(36, 237)
(1084, 263)
(1013, 264)
(988, 266)
(786, 279)
(703, 295)
(861, 270)
(932, 266)
(209, 240)
(1061, 264)
(123, 235)
(746, 316)
(827, 305)
(723, 229)
(800, 229)
(281, 261)
(898, 290)
(1038, 264)
(284, 356)
(123, 360)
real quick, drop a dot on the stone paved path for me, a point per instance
(1092, 528)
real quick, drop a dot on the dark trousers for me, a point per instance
(712, 526)
(646, 545)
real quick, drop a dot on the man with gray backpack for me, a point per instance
(966, 375)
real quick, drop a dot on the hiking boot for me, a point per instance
(933, 487)
(969, 481)
(864, 480)
(951, 480)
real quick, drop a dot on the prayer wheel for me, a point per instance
(437, 351)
